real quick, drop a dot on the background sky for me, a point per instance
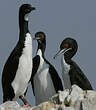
(58, 19)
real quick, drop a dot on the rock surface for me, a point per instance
(75, 99)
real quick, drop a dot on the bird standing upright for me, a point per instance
(71, 73)
(18, 67)
(45, 79)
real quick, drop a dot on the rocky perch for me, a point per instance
(75, 99)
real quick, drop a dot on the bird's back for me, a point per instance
(78, 77)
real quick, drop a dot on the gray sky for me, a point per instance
(58, 19)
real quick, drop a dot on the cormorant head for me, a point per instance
(40, 37)
(24, 11)
(68, 47)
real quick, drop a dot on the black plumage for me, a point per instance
(44, 83)
(70, 69)
(80, 79)
(16, 59)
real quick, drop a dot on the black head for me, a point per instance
(69, 47)
(40, 37)
(25, 9)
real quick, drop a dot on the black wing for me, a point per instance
(9, 73)
(55, 78)
(11, 64)
(78, 77)
(10, 68)
(36, 61)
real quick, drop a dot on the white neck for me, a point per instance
(26, 17)
(65, 73)
(39, 52)
(28, 45)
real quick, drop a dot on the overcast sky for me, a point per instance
(58, 19)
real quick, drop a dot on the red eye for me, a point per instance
(42, 36)
(66, 45)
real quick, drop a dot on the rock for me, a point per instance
(76, 94)
(65, 108)
(78, 105)
(52, 109)
(76, 99)
(89, 103)
(10, 105)
(63, 95)
(46, 106)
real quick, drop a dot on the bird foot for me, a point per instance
(26, 106)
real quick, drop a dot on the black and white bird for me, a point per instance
(71, 72)
(18, 67)
(45, 79)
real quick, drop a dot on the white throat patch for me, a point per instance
(65, 73)
(39, 53)
(26, 17)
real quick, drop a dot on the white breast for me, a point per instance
(24, 71)
(43, 85)
(65, 75)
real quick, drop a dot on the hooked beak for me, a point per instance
(33, 8)
(62, 51)
(36, 38)
(58, 53)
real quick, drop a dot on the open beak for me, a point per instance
(62, 51)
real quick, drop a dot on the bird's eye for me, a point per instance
(66, 45)
(27, 10)
(42, 36)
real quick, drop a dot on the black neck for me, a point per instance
(69, 54)
(23, 26)
(67, 59)
(42, 47)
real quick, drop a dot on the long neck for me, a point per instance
(41, 46)
(23, 26)
(65, 73)
(67, 59)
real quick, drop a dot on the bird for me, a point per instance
(45, 80)
(18, 67)
(71, 72)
